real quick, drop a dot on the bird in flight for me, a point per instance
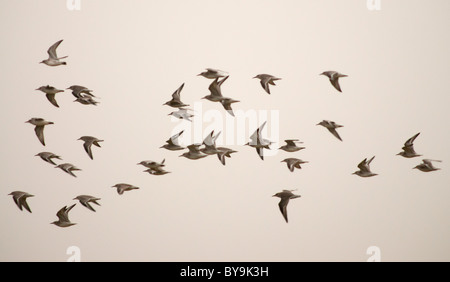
(334, 78)
(53, 59)
(285, 196)
(265, 80)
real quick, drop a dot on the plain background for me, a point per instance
(135, 54)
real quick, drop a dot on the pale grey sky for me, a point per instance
(135, 55)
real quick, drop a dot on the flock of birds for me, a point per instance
(84, 96)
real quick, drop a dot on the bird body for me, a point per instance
(293, 163)
(85, 200)
(291, 146)
(211, 73)
(63, 217)
(39, 124)
(53, 59)
(20, 198)
(364, 168)
(265, 80)
(285, 196)
(331, 126)
(68, 168)
(48, 156)
(334, 78)
(427, 165)
(123, 187)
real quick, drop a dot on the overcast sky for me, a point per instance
(135, 54)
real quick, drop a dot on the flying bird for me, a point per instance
(20, 198)
(224, 153)
(182, 114)
(78, 91)
(364, 168)
(156, 171)
(39, 124)
(408, 148)
(50, 93)
(285, 196)
(258, 142)
(48, 156)
(176, 100)
(291, 146)
(213, 73)
(215, 90)
(86, 100)
(68, 168)
(152, 164)
(63, 217)
(172, 143)
(265, 80)
(88, 142)
(210, 144)
(334, 78)
(123, 187)
(331, 126)
(85, 200)
(194, 152)
(427, 165)
(293, 163)
(53, 59)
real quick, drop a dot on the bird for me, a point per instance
(210, 144)
(215, 90)
(427, 165)
(63, 217)
(69, 168)
(258, 142)
(293, 163)
(122, 187)
(213, 73)
(364, 168)
(39, 124)
(86, 100)
(88, 141)
(20, 198)
(152, 164)
(331, 126)
(265, 80)
(226, 103)
(48, 156)
(291, 146)
(172, 143)
(156, 171)
(224, 153)
(194, 152)
(53, 59)
(50, 93)
(285, 196)
(408, 148)
(182, 114)
(334, 78)
(176, 100)
(78, 91)
(86, 199)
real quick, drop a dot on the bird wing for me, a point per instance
(363, 166)
(194, 148)
(174, 139)
(209, 140)
(335, 82)
(176, 94)
(260, 153)
(87, 205)
(63, 213)
(291, 142)
(410, 141)
(39, 129)
(23, 202)
(51, 98)
(265, 84)
(52, 50)
(283, 207)
(87, 147)
(334, 132)
(257, 133)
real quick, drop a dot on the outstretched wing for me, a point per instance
(52, 50)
